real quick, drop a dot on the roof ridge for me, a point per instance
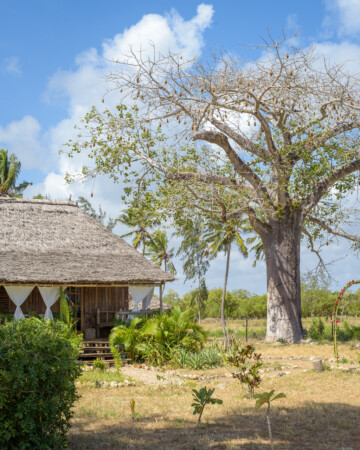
(38, 201)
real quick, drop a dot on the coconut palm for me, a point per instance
(220, 237)
(140, 222)
(159, 254)
(195, 263)
(9, 171)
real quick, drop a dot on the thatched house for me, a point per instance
(46, 245)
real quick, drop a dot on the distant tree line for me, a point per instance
(240, 303)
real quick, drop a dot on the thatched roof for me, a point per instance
(55, 242)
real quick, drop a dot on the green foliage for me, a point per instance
(159, 252)
(157, 339)
(201, 398)
(100, 216)
(192, 247)
(38, 369)
(6, 318)
(96, 375)
(316, 331)
(9, 172)
(240, 303)
(99, 364)
(128, 335)
(266, 398)
(248, 363)
(319, 332)
(64, 314)
(205, 359)
(219, 235)
(358, 357)
(139, 221)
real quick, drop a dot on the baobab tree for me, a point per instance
(280, 144)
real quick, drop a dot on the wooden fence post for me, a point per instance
(246, 328)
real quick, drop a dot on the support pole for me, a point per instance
(161, 302)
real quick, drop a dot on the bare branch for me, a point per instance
(338, 232)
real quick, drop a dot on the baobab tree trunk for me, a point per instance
(223, 323)
(282, 254)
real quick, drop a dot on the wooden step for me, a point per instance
(95, 349)
(95, 355)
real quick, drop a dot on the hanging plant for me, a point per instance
(335, 319)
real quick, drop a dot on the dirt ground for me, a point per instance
(320, 411)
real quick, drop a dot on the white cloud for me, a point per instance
(170, 32)
(345, 15)
(344, 52)
(85, 86)
(24, 138)
(12, 65)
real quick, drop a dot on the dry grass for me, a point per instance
(259, 325)
(321, 411)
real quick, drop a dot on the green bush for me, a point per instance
(5, 318)
(38, 369)
(156, 339)
(316, 331)
(205, 359)
(99, 364)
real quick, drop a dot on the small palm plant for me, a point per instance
(129, 336)
(267, 398)
(201, 398)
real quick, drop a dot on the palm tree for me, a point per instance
(129, 335)
(9, 171)
(220, 238)
(139, 221)
(159, 254)
(195, 263)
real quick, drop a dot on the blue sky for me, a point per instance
(53, 57)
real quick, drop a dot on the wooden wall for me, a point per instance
(104, 298)
(34, 303)
(4, 301)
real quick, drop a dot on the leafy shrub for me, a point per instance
(5, 318)
(202, 398)
(248, 363)
(129, 336)
(157, 338)
(38, 369)
(211, 357)
(195, 361)
(99, 364)
(351, 331)
(205, 359)
(316, 331)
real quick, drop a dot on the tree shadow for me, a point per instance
(313, 426)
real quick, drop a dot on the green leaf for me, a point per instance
(260, 402)
(281, 395)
